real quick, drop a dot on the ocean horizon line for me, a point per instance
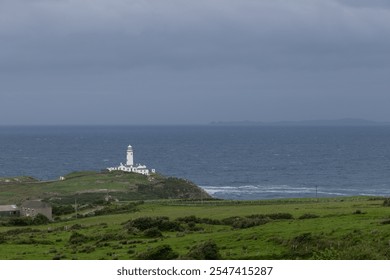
(304, 122)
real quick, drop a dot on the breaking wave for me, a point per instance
(249, 192)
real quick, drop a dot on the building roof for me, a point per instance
(6, 208)
(35, 204)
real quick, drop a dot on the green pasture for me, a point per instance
(91, 186)
(327, 228)
(15, 190)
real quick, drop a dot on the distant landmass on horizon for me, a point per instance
(337, 122)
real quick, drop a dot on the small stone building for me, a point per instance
(31, 208)
(9, 211)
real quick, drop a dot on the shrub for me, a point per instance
(194, 219)
(76, 226)
(245, 222)
(386, 222)
(191, 225)
(40, 219)
(230, 220)
(162, 252)
(166, 225)
(254, 220)
(87, 249)
(280, 216)
(386, 202)
(162, 223)
(308, 216)
(111, 236)
(303, 238)
(132, 230)
(77, 238)
(210, 221)
(58, 257)
(143, 223)
(189, 219)
(59, 210)
(207, 250)
(21, 231)
(20, 221)
(153, 232)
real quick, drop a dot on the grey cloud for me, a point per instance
(366, 3)
(258, 57)
(137, 33)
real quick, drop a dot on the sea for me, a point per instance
(229, 162)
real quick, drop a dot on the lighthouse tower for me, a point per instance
(130, 158)
(130, 167)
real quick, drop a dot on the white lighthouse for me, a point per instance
(130, 158)
(130, 167)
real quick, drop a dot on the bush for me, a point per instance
(40, 219)
(152, 232)
(207, 250)
(20, 221)
(194, 219)
(76, 226)
(162, 252)
(77, 238)
(59, 210)
(210, 221)
(17, 231)
(58, 257)
(144, 223)
(280, 216)
(189, 219)
(302, 238)
(229, 221)
(132, 230)
(111, 237)
(166, 225)
(386, 202)
(87, 249)
(162, 223)
(254, 220)
(245, 222)
(386, 222)
(308, 216)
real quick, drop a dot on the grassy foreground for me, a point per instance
(330, 228)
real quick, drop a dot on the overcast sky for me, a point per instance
(193, 62)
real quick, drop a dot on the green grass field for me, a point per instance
(330, 228)
(90, 186)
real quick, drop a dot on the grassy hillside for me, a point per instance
(117, 215)
(90, 186)
(330, 228)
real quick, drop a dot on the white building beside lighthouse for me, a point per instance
(130, 167)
